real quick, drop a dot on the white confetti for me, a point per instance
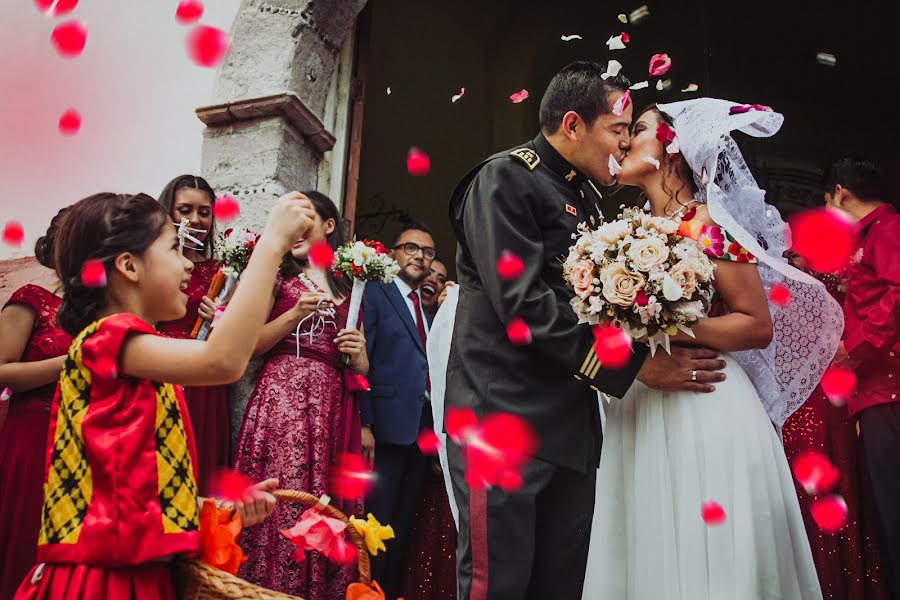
(663, 85)
(673, 147)
(613, 68)
(569, 38)
(692, 87)
(639, 14)
(651, 161)
(623, 18)
(455, 97)
(641, 85)
(614, 167)
(5, 394)
(824, 58)
(389, 91)
(615, 43)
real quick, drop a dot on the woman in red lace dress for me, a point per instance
(190, 197)
(31, 358)
(847, 562)
(301, 413)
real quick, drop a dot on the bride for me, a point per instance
(667, 454)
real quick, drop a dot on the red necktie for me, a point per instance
(420, 326)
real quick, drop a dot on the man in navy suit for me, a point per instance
(397, 408)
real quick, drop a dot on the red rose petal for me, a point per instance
(459, 423)
(712, 512)
(69, 38)
(520, 96)
(612, 346)
(829, 513)
(660, 65)
(428, 442)
(780, 296)
(321, 256)
(93, 273)
(510, 266)
(511, 481)
(418, 164)
(207, 46)
(226, 209)
(56, 8)
(838, 384)
(815, 472)
(625, 38)
(228, 484)
(70, 122)
(351, 476)
(13, 234)
(189, 11)
(825, 238)
(518, 332)
(342, 552)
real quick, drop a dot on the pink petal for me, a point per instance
(510, 266)
(70, 122)
(229, 485)
(511, 481)
(351, 476)
(519, 96)
(93, 273)
(189, 11)
(838, 384)
(69, 38)
(612, 346)
(460, 423)
(625, 37)
(455, 97)
(342, 552)
(780, 296)
(829, 513)
(13, 234)
(56, 8)
(321, 256)
(418, 163)
(518, 332)
(622, 103)
(5, 395)
(815, 472)
(712, 512)
(660, 65)
(217, 314)
(226, 208)
(207, 46)
(825, 238)
(428, 442)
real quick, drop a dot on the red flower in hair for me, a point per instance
(665, 134)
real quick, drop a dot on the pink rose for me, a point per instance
(582, 276)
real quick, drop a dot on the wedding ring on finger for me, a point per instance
(694, 375)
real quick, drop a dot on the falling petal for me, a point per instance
(712, 512)
(56, 8)
(455, 97)
(742, 108)
(614, 167)
(825, 238)
(651, 161)
(519, 96)
(502, 443)
(418, 163)
(663, 85)
(569, 38)
(93, 273)
(622, 103)
(625, 37)
(815, 472)
(615, 43)
(226, 208)
(207, 46)
(511, 481)
(189, 11)
(660, 65)
(70, 122)
(612, 346)
(692, 87)
(69, 38)
(780, 296)
(13, 234)
(229, 485)
(639, 14)
(518, 332)
(623, 18)
(613, 68)
(389, 90)
(641, 85)
(217, 315)
(839, 384)
(5, 395)
(428, 442)
(510, 266)
(829, 513)
(320, 255)
(827, 59)
(350, 476)
(459, 423)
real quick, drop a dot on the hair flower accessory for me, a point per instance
(666, 135)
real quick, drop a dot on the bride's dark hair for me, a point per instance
(672, 163)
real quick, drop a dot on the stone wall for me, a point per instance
(17, 272)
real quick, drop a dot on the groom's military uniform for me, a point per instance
(531, 543)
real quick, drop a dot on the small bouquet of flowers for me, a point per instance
(639, 274)
(235, 246)
(363, 261)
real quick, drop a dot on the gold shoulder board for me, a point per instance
(527, 156)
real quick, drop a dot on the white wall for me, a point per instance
(134, 86)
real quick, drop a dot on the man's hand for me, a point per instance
(675, 372)
(368, 445)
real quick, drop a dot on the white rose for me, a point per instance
(620, 285)
(667, 226)
(690, 251)
(647, 253)
(684, 276)
(689, 311)
(610, 233)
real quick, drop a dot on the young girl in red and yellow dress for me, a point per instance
(192, 198)
(120, 491)
(31, 357)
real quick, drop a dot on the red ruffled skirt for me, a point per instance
(149, 581)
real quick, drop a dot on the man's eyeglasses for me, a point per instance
(412, 249)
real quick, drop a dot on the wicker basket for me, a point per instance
(196, 580)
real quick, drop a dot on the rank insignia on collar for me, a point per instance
(571, 210)
(528, 156)
(571, 175)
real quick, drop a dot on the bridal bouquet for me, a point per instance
(639, 274)
(363, 261)
(235, 246)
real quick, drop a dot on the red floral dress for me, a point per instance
(208, 405)
(23, 443)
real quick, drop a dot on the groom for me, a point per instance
(533, 543)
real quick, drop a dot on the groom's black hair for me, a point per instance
(580, 87)
(859, 175)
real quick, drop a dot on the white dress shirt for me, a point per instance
(404, 291)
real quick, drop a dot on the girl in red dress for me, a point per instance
(31, 357)
(120, 492)
(191, 197)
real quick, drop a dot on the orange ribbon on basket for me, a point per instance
(215, 286)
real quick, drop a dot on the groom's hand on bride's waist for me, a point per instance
(686, 369)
